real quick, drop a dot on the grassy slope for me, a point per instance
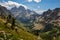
(21, 33)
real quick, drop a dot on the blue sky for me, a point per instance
(38, 5)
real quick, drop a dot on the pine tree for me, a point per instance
(13, 23)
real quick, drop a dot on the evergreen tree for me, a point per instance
(13, 23)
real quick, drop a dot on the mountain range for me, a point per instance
(24, 15)
(31, 18)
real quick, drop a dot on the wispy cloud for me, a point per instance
(29, 0)
(39, 11)
(11, 4)
(37, 1)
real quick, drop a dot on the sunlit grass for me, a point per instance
(22, 34)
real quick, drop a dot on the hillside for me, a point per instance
(48, 25)
(13, 35)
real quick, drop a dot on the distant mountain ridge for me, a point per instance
(4, 12)
(24, 15)
(51, 14)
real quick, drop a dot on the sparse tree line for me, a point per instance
(9, 19)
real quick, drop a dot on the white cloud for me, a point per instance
(37, 1)
(39, 11)
(11, 4)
